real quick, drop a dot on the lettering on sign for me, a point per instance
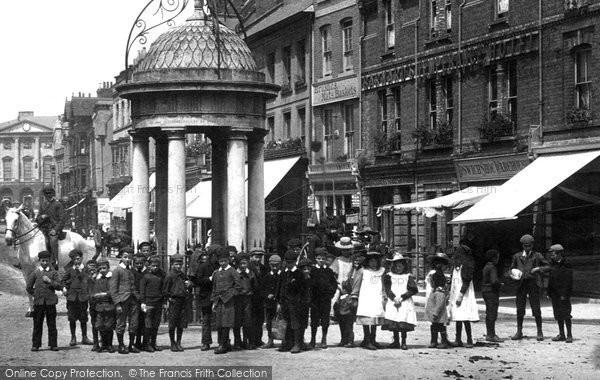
(481, 53)
(335, 91)
(488, 168)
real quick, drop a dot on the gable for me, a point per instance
(18, 127)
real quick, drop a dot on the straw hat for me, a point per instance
(438, 256)
(344, 243)
(397, 257)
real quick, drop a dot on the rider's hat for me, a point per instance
(48, 189)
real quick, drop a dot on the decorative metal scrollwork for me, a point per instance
(168, 9)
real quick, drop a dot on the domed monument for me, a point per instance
(199, 77)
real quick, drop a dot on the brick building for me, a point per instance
(335, 131)
(467, 93)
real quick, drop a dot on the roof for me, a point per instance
(280, 14)
(80, 106)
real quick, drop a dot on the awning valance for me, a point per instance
(124, 199)
(432, 207)
(199, 198)
(531, 183)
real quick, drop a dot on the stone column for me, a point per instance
(236, 191)
(140, 213)
(160, 193)
(176, 230)
(219, 190)
(256, 193)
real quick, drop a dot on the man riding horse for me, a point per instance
(51, 220)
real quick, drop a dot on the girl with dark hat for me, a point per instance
(369, 291)
(399, 286)
(435, 308)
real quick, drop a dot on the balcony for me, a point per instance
(120, 169)
(330, 167)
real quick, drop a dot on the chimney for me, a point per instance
(25, 115)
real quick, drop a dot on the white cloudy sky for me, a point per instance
(50, 49)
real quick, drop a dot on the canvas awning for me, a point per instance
(199, 198)
(432, 207)
(531, 183)
(124, 199)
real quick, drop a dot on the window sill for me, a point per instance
(388, 55)
(498, 139)
(437, 147)
(285, 91)
(499, 24)
(442, 38)
(300, 85)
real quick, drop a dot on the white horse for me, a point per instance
(29, 241)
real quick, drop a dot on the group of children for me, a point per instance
(239, 292)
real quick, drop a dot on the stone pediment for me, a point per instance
(25, 127)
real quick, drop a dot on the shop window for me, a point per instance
(326, 48)
(348, 112)
(583, 83)
(7, 164)
(83, 178)
(432, 223)
(347, 45)
(27, 169)
(301, 61)
(390, 34)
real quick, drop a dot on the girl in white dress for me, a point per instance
(462, 303)
(399, 287)
(368, 288)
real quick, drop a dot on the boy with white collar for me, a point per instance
(42, 284)
(122, 290)
(102, 303)
(243, 305)
(268, 290)
(75, 287)
(323, 288)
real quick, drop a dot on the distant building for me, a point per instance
(26, 151)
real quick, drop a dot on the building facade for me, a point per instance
(26, 150)
(464, 93)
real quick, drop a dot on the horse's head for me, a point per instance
(13, 215)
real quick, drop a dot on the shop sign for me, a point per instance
(104, 218)
(101, 203)
(490, 168)
(335, 91)
(480, 53)
(356, 200)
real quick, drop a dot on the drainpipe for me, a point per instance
(540, 70)
(459, 125)
(416, 56)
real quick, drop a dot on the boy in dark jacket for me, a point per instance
(175, 290)
(42, 284)
(139, 269)
(268, 291)
(243, 305)
(91, 271)
(151, 287)
(490, 291)
(560, 286)
(101, 302)
(75, 287)
(226, 285)
(256, 303)
(202, 280)
(122, 291)
(323, 288)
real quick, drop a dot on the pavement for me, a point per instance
(584, 310)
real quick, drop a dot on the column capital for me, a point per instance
(175, 134)
(234, 135)
(258, 135)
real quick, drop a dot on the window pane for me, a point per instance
(502, 6)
